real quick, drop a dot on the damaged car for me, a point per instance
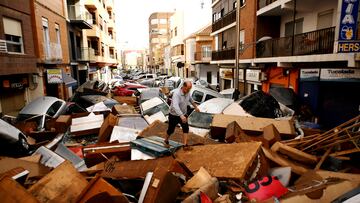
(12, 140)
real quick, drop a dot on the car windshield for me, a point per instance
(164, 108)
(23, 117)
(200, 119)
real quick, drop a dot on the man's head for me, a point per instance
(186, 87)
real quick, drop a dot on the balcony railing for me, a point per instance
(263, 3)
(52, 52)
(203, 56)
(224, 21)
(81, 16)
(226, 54)
(315, 42)
(85, 54)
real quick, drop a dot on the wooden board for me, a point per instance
(128, 100)
(35, 169)
(273, 156)
(106, 128)
(159, 128)
(227, 161)
(294, 154)
(123, 109)
(139, 169)
(11, 191)
(285, 127)
(98, 185)
(63, 184)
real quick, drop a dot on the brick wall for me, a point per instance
(18, 63)
(53, 17)
(248, 23)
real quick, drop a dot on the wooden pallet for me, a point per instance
(154, 146)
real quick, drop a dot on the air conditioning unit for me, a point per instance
(3, 47)
(263, 76)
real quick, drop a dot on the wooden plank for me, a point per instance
(123, 109)
(128, 100)
(12, 191)
(159, 128)
(227, 161)
(98, 185)
(164, 187)
(63, 184)
(35, 169)
(318, 165)
(138, 169)
(293, 153)
(296, 168)
(346, 176)
(345, 152)
(285, 127)
(106, 128)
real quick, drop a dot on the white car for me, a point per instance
(41, 108)
(11, 136)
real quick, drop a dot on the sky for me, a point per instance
(132, 18)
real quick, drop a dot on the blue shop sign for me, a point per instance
(348, 20)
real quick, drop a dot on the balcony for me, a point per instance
(85, 54)
(204, 57)
(94, 32)
(80, 16)
(52, 53)
(263, 3)
(226, 54)
(224, 21)
(310, 43)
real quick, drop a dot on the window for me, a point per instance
(214, 17)
(54, 108)
(13, 35)
(208, 96)
(206, 51)
(154, 21)
(208, 77)
(100, 22)
(298, 27)
(234, 5)
(57, 31)
(109, 12)
(163, 21)
(163, 31)
(325, 19)
(222, 13)
(242, 39)
(175, 31)
(46, 36)
(197, 96)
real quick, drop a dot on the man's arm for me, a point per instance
(194, 104)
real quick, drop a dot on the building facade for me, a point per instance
(198, 49)
(159, 37)
(102, 38)
(224, 31)
(20, 79)
(302, 53)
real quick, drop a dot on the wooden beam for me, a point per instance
(293, 153)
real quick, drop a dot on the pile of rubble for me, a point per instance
(115, 156)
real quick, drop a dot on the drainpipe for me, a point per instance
(293, 34)
(236, 79)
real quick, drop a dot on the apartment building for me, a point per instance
(198, 49)
(177, 44)
(224, 32)
(51, 42)
(81, 55)
(298, 48)
(19, 76)
(102, 38)
(159, 37)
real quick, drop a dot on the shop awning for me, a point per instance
(68, 80)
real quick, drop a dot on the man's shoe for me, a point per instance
(166, 144)
(187, 148)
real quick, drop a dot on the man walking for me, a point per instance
(178, 109)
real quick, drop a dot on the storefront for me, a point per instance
(13, 90)
(253, 80)
(227, 78)
(332, 94)
(281, 77)
(59, 83)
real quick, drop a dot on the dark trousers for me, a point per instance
(173, 121)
